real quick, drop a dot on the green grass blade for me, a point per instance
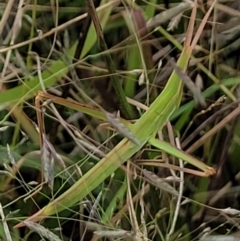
(30, 88)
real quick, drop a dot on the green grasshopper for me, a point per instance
(144, 130)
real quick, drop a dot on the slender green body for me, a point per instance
(146, 127)
(144, 130)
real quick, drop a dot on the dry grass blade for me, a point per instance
(132, 214)
(169, 14)
(114, 234)
(159, 182)
(42, 231)
(57, 29)
(179, 198)
(6, 16)
(218, 238)
(5, 225)
(10, 155)
(208, 121)
(202, 25)
(190, 29)
(14, 31)
(121, 128)
(189, 83)
(104, 232)
(174, 22)
(214, 130)
(230, 211)
(47, 157)
(226, 9)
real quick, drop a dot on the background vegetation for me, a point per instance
(53, 47)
